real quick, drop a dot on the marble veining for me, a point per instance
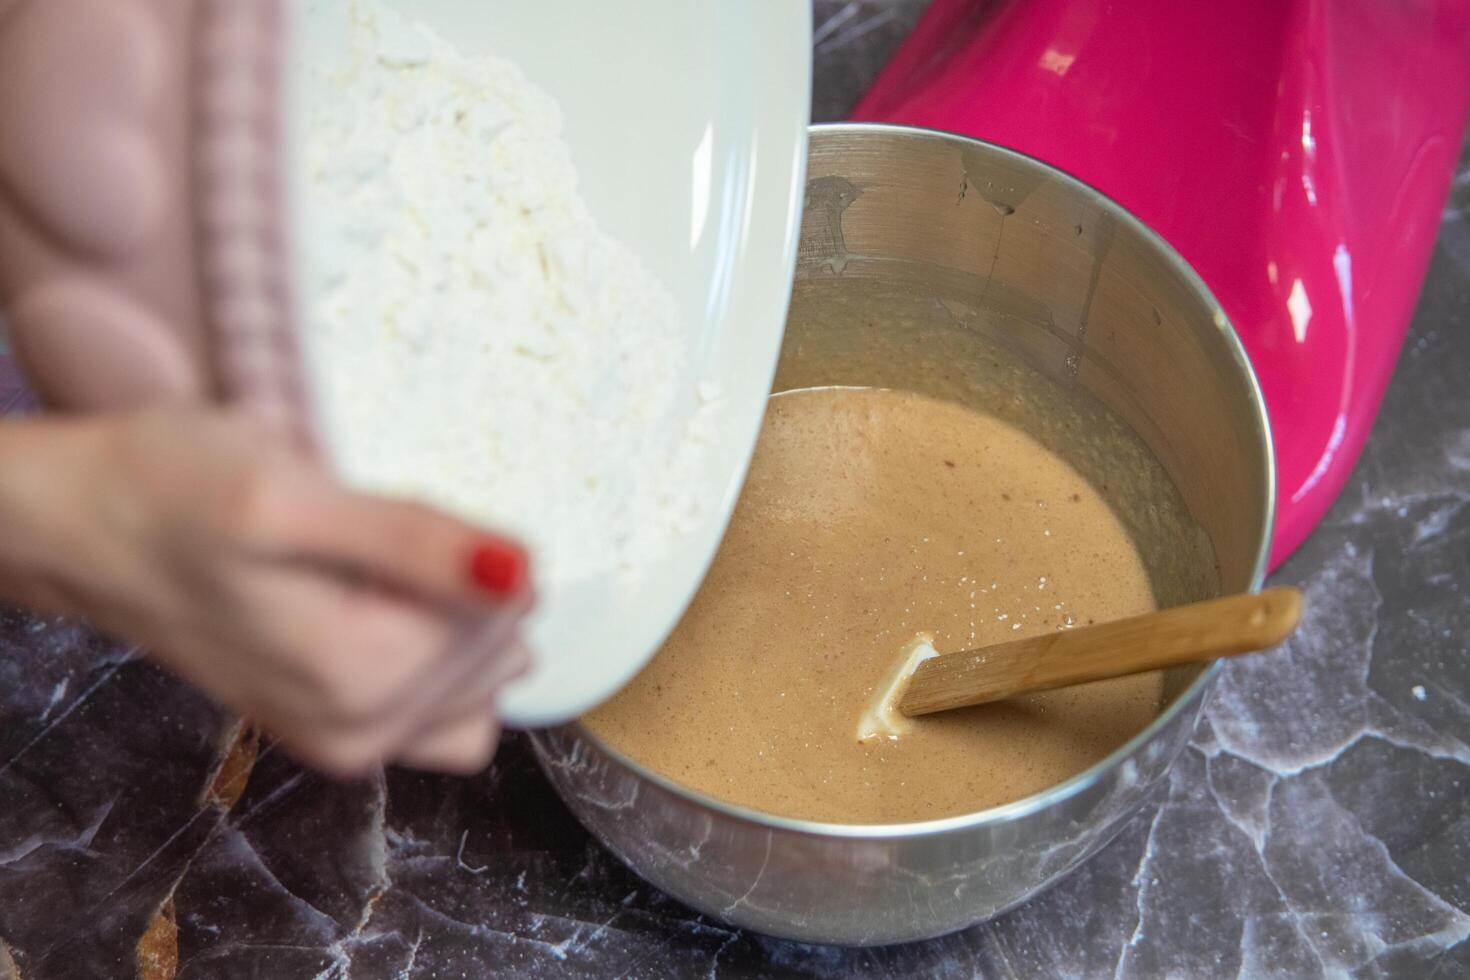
(1317, 825)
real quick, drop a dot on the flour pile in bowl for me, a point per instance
(476, 341)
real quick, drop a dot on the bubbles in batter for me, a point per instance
(870, 516)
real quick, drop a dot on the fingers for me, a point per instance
(463, 737)
(416, 548)
(461, 741)
(487, 657)
(352, 653)
(371, 676)
(461, 745)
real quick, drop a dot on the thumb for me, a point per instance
(412, 546)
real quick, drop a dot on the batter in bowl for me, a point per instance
(869, 516)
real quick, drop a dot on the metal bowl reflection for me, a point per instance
(963, 247)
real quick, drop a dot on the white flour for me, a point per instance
(476, 341)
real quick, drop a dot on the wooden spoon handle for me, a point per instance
(1194, 633)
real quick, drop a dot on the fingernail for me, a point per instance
(498, 567)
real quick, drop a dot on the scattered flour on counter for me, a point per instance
(475, 340)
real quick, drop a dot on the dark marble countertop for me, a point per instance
(1319, 823)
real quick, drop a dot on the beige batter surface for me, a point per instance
(870, 516)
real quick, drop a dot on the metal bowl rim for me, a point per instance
(1084, 780)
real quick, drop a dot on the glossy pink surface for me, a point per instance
(1296, 152)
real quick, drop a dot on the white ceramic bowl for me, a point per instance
(687, 121)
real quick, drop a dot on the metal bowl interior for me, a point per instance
(940, 264)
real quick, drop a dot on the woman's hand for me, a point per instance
(356, 629)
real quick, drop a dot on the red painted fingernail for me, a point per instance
(498, 567)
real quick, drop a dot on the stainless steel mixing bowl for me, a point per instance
(944, 251)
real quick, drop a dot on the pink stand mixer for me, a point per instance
(1298, 154)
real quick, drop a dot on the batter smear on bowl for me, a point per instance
(871, 516)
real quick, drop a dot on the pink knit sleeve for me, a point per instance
(142, 252)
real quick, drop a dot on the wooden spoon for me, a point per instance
(1195, 633)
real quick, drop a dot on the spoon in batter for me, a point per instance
(923, 681)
